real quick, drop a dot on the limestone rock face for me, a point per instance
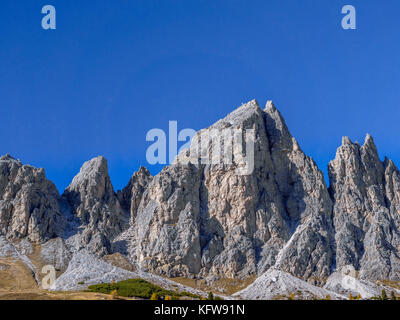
(208, 220)
(131, 195)
(29, 203)
(366, 210)
(92, 200)
(166, 227)
(54, 252)
(243, 200)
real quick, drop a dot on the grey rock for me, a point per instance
(276, 284)
(132, 194)
(206, 220)
(347, 284)
(7, 249)
(366, 217)
(86, 269)
(24, 246)
(29, 203)
(54, 252)
(211, 221)
(97, 216)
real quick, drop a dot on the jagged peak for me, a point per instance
(275, 114)
(369, 141)
(277, 129)
(98, 163)
(389, 165)
(270, 106)
(346, 140)
(250, 106)
(251, 103)
(8, 157)
(369, 147)
(90, 172)
(141, 173)
(143, 170)
(244, 112)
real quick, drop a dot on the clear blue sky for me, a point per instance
(112, 70)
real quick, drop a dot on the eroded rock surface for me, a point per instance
(97, 216)
(366, 194)
(29, 203)
(205, 219)
(211, 220)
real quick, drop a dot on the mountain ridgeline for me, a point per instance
(206, 221)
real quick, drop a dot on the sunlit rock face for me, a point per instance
(366, 195)
(214, 220)
(97, 216)
(29, 203)
(208, 220)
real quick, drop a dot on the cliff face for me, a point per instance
(366, 213)
(131, 196)
(29, 203)
(227, 219)
(206, 219)
(95, 208)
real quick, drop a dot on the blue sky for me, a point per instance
(112, 70)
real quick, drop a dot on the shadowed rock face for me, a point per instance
(366, 213)
(208, 221)
(29, 203)
(132, 194)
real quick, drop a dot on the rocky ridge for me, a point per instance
(203, 220)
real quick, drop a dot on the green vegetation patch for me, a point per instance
(138, 288)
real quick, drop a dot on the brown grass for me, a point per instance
(118, 260)
(47, 295)
(17, 282)
(14, 275)
(225, 286)
(390, 283)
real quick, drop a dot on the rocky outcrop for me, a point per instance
(93, 202)
(276, 284)
(131, 195)
(54, 252)
(87, 269)
(29, 203)
(366, 213)
(221, 210)
(346, 285)
(207, 220)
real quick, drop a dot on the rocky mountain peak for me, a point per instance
(92, 199)
(241, 117)
(361, 186)
(346, 140)
(270, 106)
(92, 179)
(8, 157)
(29, 203)
(206, 221)
(278, 133)
(131, 195)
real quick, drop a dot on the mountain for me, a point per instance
(29, 203)
(366, 210)
(209, 221)
(271, 217)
